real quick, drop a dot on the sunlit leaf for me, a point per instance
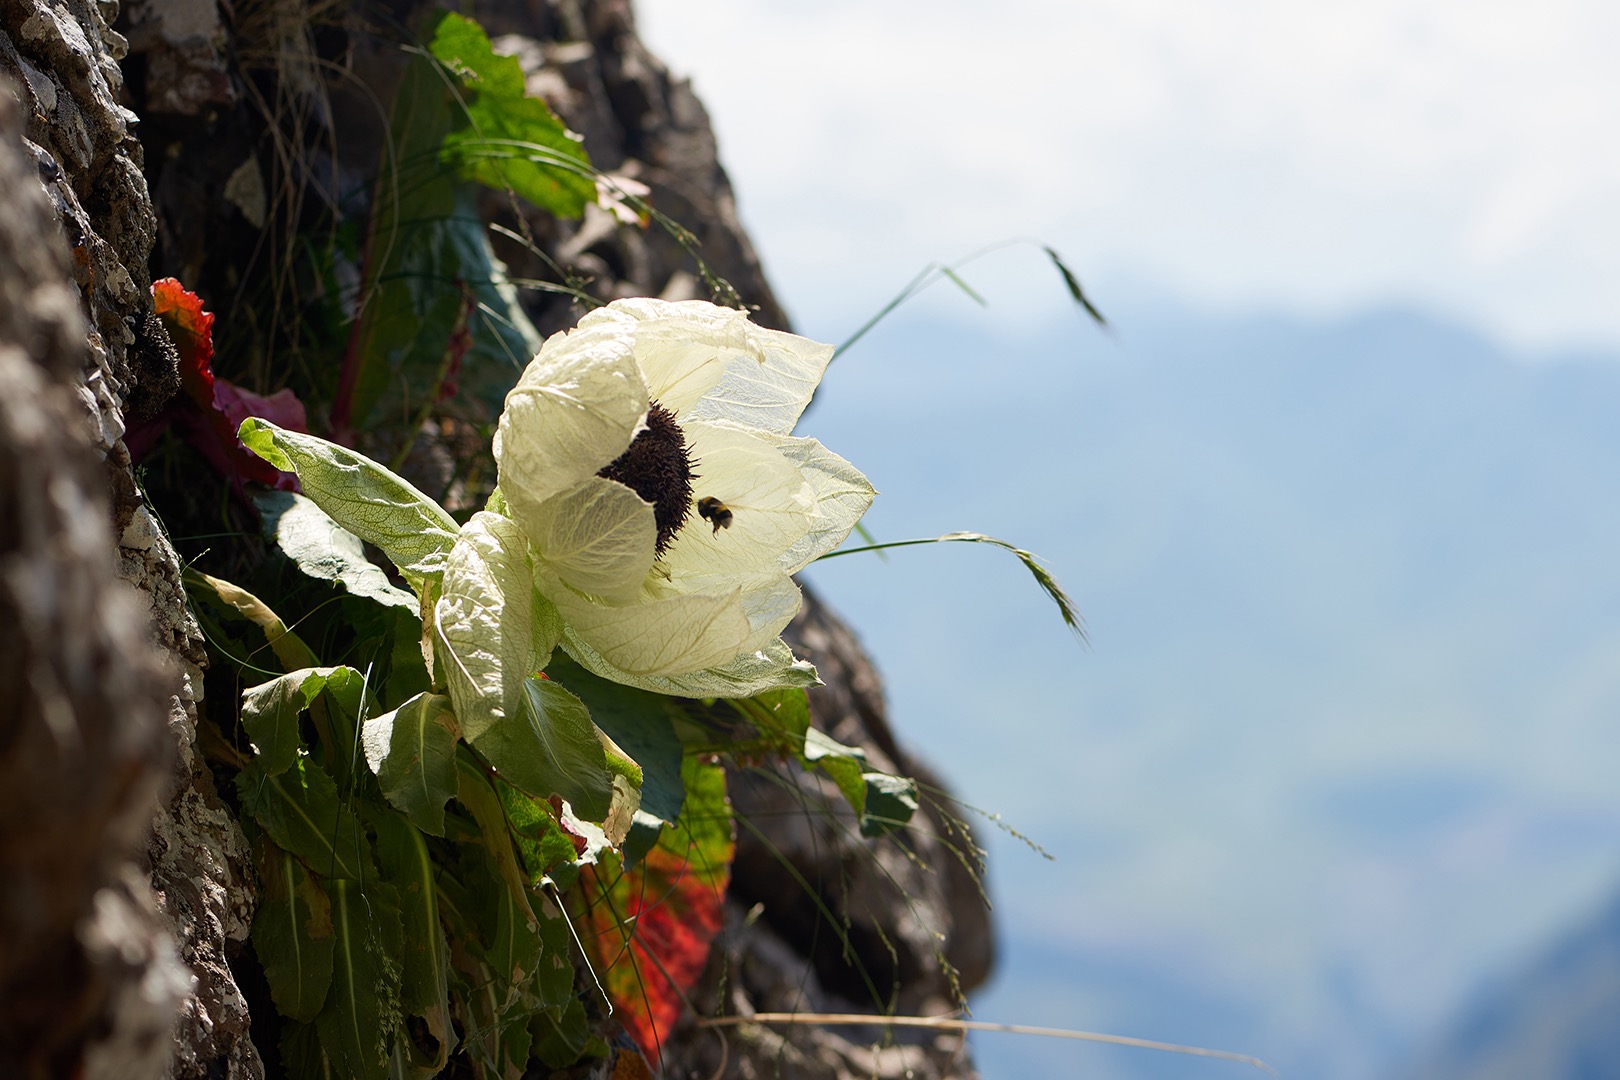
(370, 501)
(549, 746)
(504, 138)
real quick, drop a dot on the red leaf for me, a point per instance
(649, 929)
(217, 406)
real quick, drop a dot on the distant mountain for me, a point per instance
(1557, 1019)
(1345, 741)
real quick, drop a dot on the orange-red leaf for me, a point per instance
(649, 928)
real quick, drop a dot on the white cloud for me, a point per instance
(1325, 154)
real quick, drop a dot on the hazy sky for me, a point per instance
(1324, 156)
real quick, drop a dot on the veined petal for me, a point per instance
(842, 494)
(771, 668)
(705, 362)
(769, 606)
(575, 409)
(772, 508)
(599, 537)
(493, 626)
(672, 635)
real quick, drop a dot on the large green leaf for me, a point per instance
(362, 1011)
(300, 810)
(503, 138)
(270, 713)
(408, 866)
(492, 627)
(549, 746)
(371, 502)
(292, 933)
(412, 750)
(325, 550)
(439, 325)
(640, 722)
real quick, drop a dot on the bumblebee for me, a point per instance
(713, 510)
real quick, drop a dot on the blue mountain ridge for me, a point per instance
(1342, 748)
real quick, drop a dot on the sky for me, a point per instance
(1322, 771)
(1320, 156)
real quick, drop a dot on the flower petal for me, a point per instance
(599, 537)
(771, 668)
(772, 508)
(670, 635)
(705, 362)
(496, 629)
(842, 495)
(575, 409)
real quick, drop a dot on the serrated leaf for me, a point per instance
(325, 550)
(504, 138)
(549, 746)
(292, 933)
(300, 810)
(539, 837)
(371, 502)
(362, 1012)
(649, 929)
(412, 751)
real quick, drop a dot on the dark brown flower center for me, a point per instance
(658, 467)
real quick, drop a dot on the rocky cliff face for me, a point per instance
(192, 142)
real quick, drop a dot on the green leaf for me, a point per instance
(362, 496)
(640, 722)
(300, 810)
(362, 1012)
(216, 592)
(549, 746)
(412, 750)
(890, 802)
(561, 1034)
(504, 138)
(292, 933)
(493, 628)
(539, 838)
(1073, 284)
(325, 550)
(270, 710)
(440, 325)
(845, 764)
(475, 792)
(409, 867)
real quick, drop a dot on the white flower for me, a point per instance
(617, 433)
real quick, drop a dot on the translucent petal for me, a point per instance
(705, 362)
(490, 621)
(772, 508)
(575, 409)
(771, 668)
(842, 494)
(672, 635)
(769, 608)
(598, 537)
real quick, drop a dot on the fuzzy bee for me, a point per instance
(713, 510)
